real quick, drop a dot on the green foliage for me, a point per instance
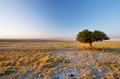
(87, 36)
(99, 36)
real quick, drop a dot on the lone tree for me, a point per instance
(89, 37)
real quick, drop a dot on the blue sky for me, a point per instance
(58, 18)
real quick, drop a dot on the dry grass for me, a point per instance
(47, 60)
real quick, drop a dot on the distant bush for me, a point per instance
(89, 37)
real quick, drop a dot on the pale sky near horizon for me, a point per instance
(58, 18)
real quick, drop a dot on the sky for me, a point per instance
(62, 19)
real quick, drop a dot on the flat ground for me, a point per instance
(59, 60)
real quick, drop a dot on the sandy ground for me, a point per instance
(81, 64)
(89, 64)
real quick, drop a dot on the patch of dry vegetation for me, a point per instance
(19, 63)
(49, 60)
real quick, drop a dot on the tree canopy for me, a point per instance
(89, 37)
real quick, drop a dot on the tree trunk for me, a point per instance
(90, 45)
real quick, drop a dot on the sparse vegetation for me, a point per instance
(52, 60)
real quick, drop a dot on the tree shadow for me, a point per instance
(107, 49)
(101, 49)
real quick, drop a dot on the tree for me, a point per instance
(89, 37)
